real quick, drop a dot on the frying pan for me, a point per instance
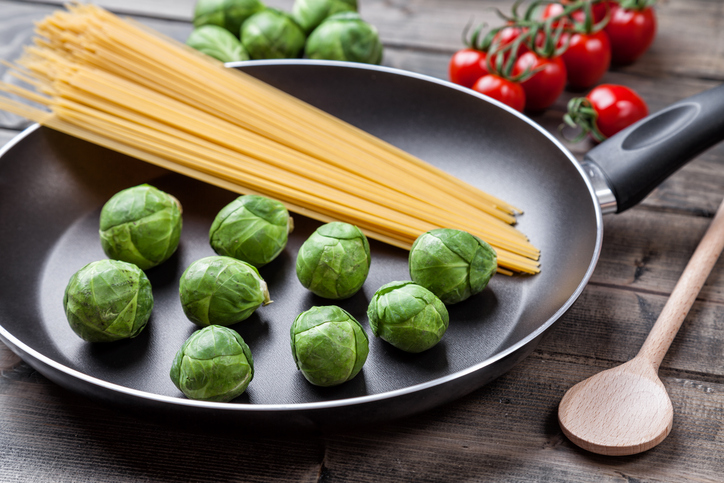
(52, 188)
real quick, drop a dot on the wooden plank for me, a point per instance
(647, 252)
(609, 326)
(166, 9)
(16, 25)
(50, 434)
(696, 188)
(506, 431)
(515, 437)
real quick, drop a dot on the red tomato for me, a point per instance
(630, 32)
(544, 87)
(587, 58)
(467, 66)
(508, 92)
(617, 106)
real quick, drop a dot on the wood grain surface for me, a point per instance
(505, 431)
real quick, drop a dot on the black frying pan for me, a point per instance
(52, 187)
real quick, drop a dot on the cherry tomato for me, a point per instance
(467, 66)
(544, 87)
(630, 32)
(617, 106)
(587, 58)
(508, 92)
(606, 110)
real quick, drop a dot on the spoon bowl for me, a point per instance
(621, 411)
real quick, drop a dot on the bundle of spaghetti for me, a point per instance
(115, 83)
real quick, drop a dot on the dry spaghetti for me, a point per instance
(117, 84)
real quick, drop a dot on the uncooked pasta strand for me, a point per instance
(126, 88)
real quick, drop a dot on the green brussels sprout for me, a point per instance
(452, 264)
(108, 300)
(346, 37)
(218, 43)
(251, 228)
(214, 364)
(334, 262)
(408, 316)
(272, 34)
(221, 291)
(141, 225)
(310, 13)
(229, 14)
(328, 345)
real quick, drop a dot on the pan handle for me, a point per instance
(639, 158)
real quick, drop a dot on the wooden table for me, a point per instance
(506, 431)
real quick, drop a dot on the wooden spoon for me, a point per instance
(626, 410)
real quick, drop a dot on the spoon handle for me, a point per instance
(685, 292)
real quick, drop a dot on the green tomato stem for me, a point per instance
(581, 114)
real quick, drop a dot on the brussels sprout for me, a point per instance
(408, 316)
(214, 364)
(251, 228)
(108, 300)
(310, 13)
(221, 291)
(272, 34)
(218, 43)
(452, 264)
(328, 345)
(141, 225)
(347, 37)
(334, 262)
(229, 14)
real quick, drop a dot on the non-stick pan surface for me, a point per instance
(53, 186)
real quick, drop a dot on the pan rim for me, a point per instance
(18, 346)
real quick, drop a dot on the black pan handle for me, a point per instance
(642, 156)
